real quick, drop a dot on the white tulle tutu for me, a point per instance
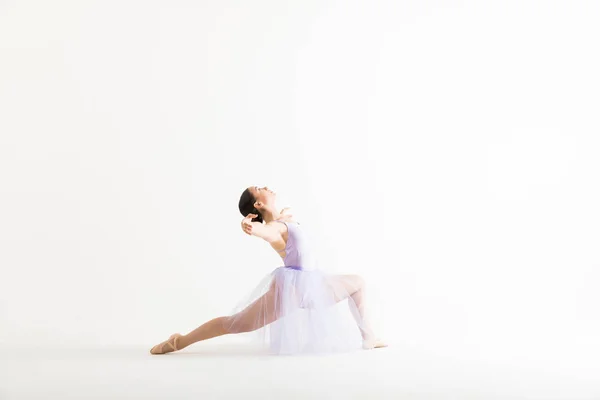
(294, 310)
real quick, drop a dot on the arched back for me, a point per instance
(297, 249)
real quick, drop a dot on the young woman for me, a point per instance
(294, 308)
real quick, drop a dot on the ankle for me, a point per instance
(182, 342)
(368, 335)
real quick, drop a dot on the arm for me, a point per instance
(269, 232)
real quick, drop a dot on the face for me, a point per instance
(263, 195)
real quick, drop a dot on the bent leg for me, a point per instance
(352, 287)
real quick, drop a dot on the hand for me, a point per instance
(286, 211)
(247, 223)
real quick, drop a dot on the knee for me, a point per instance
(359, 282)
(229, 324)
(226, 325)
(235, 324)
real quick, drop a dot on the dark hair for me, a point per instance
(247, 205)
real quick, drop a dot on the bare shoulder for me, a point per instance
(277, 226)
(278, 237)
(281, 224)
(285, 218)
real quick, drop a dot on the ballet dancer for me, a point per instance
(294, 306)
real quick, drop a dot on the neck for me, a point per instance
(270, 215)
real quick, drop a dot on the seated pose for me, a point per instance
(294, 307)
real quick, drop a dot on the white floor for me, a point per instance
(230, 371)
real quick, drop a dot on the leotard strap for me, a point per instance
(285, 222)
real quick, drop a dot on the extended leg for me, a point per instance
(258, 314)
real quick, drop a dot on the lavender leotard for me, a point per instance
(303, 301)
(296, 247)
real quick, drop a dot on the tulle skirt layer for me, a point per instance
(293, 310)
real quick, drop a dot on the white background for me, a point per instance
(445, 150)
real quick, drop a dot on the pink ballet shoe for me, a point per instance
(160, 348)
(369, 344)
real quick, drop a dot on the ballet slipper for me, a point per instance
(159, 348)
(369, 344)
